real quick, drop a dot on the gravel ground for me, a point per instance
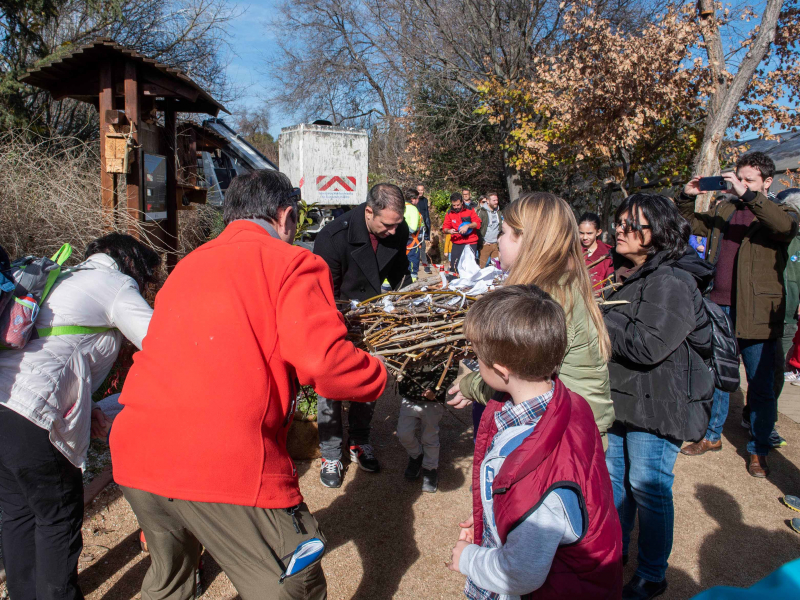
(388, 540)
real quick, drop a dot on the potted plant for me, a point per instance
(303, 439)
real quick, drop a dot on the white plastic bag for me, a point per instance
(467, 265)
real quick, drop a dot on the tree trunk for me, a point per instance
(605, 213)
(725, 98)
(512, 180)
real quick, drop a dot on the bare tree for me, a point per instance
(253, 125)
(191, 35)
(729, 89)
(406, 67)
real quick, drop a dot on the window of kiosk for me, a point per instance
(155, 187)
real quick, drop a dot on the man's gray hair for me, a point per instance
(386, 195)
(258, 195)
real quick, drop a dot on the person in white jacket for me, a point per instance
(46, 413)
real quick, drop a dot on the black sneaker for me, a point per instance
(331, 473)
(776, 441)
(641, 589)
(746, 417)
(363, 455)
(414, 467)
(430, 480)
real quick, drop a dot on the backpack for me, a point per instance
(28, 282)
(724, 349)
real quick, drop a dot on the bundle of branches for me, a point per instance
(420, 334)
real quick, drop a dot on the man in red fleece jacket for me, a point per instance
(463, 225)
(200, 448)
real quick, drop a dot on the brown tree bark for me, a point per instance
(728, 91)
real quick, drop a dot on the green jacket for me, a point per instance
(791, 278)
(760, 298)
(583, 370)
(412, 217)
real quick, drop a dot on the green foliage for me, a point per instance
(217, 224)
(440, 200)
(308, 401)
(303, 220)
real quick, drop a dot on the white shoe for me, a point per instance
(791, 376)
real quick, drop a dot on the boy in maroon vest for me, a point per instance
(544, 523)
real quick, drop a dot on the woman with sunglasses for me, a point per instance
(661, 384)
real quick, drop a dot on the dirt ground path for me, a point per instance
(388, 540)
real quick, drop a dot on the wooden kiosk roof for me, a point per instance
(76, 75)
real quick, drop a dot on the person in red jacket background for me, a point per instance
(462, 224)
(200, 447)
(590, 230)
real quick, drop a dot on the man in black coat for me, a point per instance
(363, 247)
(422, 207)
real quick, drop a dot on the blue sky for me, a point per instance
(251, 41)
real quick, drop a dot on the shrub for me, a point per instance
(50, 194)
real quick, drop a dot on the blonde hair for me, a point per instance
(550, 255)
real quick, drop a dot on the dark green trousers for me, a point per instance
(252, 545)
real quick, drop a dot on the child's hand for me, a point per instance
(457, 550)
(459, 400)
(467, 530)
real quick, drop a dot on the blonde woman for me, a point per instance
(539, 245)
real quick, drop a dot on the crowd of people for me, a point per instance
(595, 365)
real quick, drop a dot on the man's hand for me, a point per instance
(459, 400)
(467, 530)
(736, 186)
(101, 424)
(464, 229)
(457, 550)
(693, 187)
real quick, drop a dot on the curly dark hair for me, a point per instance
(133, 258)
(757, 160)
(669, 231)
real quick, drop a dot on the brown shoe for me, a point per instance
(701, 447)
(758, 466)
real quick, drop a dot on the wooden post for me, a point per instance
(171, 224)
(108, 186)
(133, 177)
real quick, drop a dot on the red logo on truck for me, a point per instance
(336, 183)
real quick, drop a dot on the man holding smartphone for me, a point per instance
(747, 241)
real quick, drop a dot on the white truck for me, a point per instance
(329, 164)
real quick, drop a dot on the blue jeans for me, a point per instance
(758, 357)
(413, 261)
(640, 464)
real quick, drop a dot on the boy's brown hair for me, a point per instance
(520, 327)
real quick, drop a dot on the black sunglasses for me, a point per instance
(295, 195)
(628, 225)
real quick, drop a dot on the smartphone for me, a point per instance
(712, 184)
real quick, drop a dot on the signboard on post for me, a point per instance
(155, 187)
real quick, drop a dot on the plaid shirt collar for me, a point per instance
(524, 413)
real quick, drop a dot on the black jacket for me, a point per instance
(661, 342)
(422, 207)
(358, 271)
